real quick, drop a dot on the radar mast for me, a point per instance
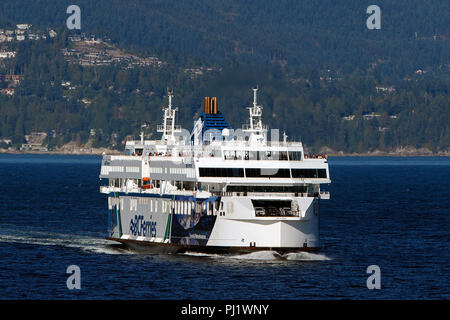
(168, 128)
(255, 124)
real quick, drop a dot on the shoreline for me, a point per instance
(388, 154)
(333, 154)
(62, 153)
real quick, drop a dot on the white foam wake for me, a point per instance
(264, 255)
(200, 254)
(259, 255)
(103, 246)
(305, 256)
(88, 244)
(274, 256)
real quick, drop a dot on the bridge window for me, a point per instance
(271, 189)
(264, 155)
(267, 173)
(232, 155)
(295, 155)
(222, 172)
(278, 155)
(309, 173)
(253, 155)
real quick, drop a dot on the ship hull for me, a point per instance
(172, 224)
(170, 248)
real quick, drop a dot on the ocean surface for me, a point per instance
(389, 212)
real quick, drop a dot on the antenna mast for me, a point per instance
(255, 115)
(168, 128)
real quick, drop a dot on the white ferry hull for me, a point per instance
(158, 223)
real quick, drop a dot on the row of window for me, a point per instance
(309, 173)
(222, 172)
(263, 155)
(246, 154)
(262, 173)
(189, 172)
(267, 173)
(105, 170)
(271, 189)
(167, 206)
(177, 206)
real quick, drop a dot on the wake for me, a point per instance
(273, 255)
(85, 243)
(103, 246)
(265, 256)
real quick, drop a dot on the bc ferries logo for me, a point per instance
(141, 227)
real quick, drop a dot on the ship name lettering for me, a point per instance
(141, 227)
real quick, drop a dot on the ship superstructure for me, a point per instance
(213, 188)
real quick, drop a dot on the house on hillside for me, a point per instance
(349, 118)
(8, 91)
(370, 116)
(34, 142)
(23, 26)
(385, 89)
(7, 54)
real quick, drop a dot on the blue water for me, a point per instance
(390, 212)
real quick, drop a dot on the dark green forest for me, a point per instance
(315, 63)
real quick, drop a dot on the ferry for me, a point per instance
(213, 188)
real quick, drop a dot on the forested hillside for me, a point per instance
(324, 77)
(315, 34)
